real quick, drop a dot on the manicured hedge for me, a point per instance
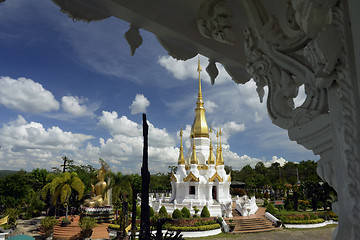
(194, 228)
(114, 226)
(311, 221)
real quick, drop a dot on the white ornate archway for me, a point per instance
(314, 43)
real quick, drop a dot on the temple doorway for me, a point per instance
(214, 193)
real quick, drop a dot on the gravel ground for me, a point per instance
(324, 233)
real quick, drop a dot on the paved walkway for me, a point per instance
(281, 234)
(72, 231)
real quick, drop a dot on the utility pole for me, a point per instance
(145, 180)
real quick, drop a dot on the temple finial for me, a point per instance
(193, 159)
(211, 159)
(200, 93)
(181, 160)
(219, 155)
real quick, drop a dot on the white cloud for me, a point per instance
(183, 70)
(116, 126)
(257, 117)
(29, 145)
(276, 159)
(228, 129)
(210, 106)
(139, 104)
(74, 105)
(20, 134)
(26, 95)
(125, 146)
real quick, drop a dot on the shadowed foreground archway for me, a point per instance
(314, 43)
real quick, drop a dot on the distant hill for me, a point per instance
(5, 173)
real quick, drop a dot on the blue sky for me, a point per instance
(72, 88)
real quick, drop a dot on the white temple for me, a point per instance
(200, 178)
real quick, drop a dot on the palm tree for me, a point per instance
(61, 188)
(121, 192)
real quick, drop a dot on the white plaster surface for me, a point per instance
(317, 225)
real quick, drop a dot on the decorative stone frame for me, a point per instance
(322, 53)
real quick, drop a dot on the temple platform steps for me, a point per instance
(254, 223)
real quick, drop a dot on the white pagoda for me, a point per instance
(200, 178)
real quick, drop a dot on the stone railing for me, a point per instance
(272, 218)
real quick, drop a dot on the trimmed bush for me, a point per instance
(266, 203)
(185, 212)
(47, 224)
(196, 210)
(176, 214)
(162, 212)
(205, 212)
(87, 223)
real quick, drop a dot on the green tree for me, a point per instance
(160, 181)
(37, 179)
(260, 168)
(14, 189)
(62, 187)
(86, 173)
(121, 190)
(228, 169)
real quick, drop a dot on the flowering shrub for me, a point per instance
(311, 221)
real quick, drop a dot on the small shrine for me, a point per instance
(98, 206)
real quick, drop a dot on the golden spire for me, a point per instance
(219, 155)
(193, 159)
(200, 101)
(211, 159)
(181, 160)
(199, 127)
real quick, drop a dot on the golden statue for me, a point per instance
(98, 190)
